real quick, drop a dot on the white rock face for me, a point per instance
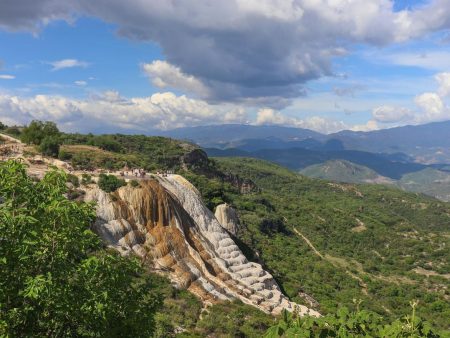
(165, 222)
(227, 217)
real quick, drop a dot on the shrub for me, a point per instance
(134, 183)
(86, 179)
(49, 146)
(64, 155)
(74, 180)
(110, 183)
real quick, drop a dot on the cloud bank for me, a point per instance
(244, 51)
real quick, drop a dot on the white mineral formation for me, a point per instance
(227, 218)
(165, 222)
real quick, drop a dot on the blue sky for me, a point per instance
(105, 67)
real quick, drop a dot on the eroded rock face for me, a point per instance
(227, 217)
(165, 222)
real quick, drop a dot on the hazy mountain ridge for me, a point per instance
(427, 144)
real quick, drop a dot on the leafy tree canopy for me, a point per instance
(55, 280)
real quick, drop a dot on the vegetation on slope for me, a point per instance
(55, 280)
(340, 171)
(371, 240)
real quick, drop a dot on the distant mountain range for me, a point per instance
(413, 158)
(426, 144)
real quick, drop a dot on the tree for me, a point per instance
(3, 126)
(55, 279)
(110, 183)
(50, 146)
(36, 131)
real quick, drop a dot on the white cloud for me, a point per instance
(432, 108)
(245, 50)
(434, 60)
(164, 75)
(443, 80)
(80, 83)
(269, 116)
(110, 111)
(369, 126)
(7, 77)
(68, 63)
(390, 114)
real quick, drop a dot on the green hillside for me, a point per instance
(341, 243)
(343, 171)
(428, 181)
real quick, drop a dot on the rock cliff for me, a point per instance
(165, 222)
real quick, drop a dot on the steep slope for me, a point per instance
(428, 181)
(165, 222)
(375, 242)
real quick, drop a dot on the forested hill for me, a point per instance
(341, 242)
(329, 246)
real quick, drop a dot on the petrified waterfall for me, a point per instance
(165, 222)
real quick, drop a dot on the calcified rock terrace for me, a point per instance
(165, 222)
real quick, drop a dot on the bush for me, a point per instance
(49, 146)
(74, 180)
(134, 183)
(15, 131)
(110, 183)
(86, 179)
(64, 155)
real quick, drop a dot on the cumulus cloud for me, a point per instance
(369, 126)
(443, 80)
(111, 111)
(243, 50)
(430, 106)
(7, 77)
(165, 75)
(390, 114)
(267, 116)
(67, 63)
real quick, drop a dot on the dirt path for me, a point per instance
(335, 261)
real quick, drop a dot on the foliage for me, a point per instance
(350, 324)
(36, 131)
(86, 179)
(233, 319)
(13, 131)
(110, 183)
(55, 280)
(138, 151)
(134, 183)
(3, 126)
(373, 240)
(73, 179)
(50, 146)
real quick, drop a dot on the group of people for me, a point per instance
(138, 173)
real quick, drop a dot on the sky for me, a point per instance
(145, 65)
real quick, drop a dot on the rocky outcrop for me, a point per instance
(244, 185)
(165, 222)
(227, 217)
